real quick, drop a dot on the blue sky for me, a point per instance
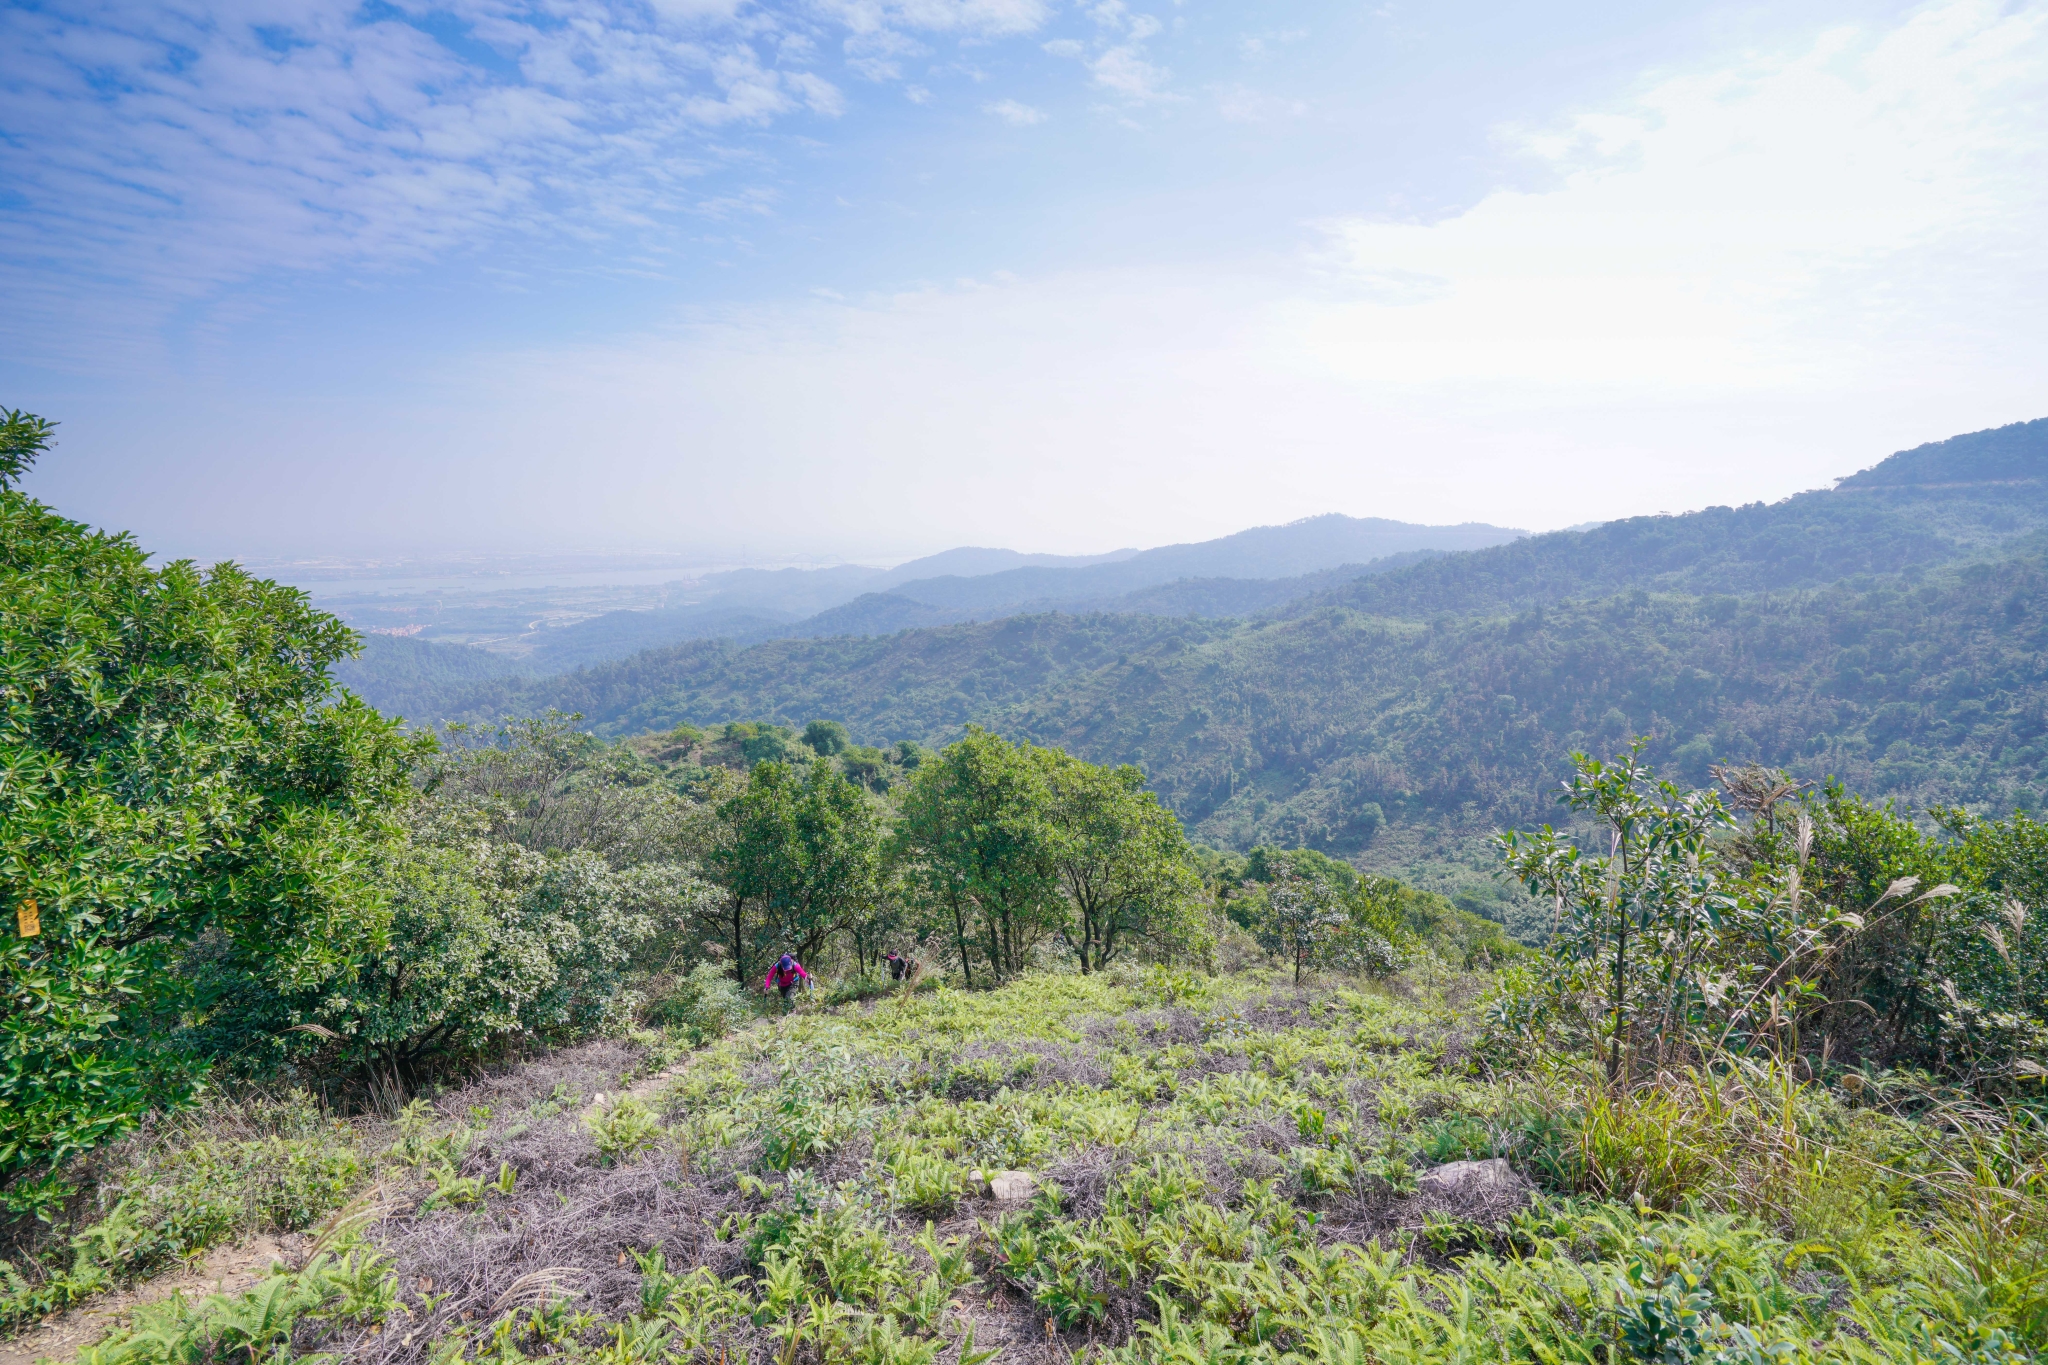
(873, 277)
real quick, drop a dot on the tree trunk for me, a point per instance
(966, 958)
(739, 949)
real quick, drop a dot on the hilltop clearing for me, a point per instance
(1149, 1167)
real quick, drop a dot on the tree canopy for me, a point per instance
(174, 764)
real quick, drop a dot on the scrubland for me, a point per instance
(1223, 1168)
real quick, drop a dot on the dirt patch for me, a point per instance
(224, 1270)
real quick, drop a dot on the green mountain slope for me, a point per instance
(1326, 729)
(1964, 497)
(2007, 454)
(1892, 634)
(403, 677)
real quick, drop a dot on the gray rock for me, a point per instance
(1012, 1185)
(1470, 1179)
(1482, 1191)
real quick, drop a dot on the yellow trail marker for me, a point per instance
(28, 919)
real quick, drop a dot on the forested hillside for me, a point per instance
(946, 601)
(1805, 541)
(1888, 632)
(1319, 729)
(404, 677)
(753, 1043)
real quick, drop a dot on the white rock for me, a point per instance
(1470, 1179)
(1009, 1185)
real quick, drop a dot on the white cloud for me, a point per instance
(1122, 65)
(874, 54)
(986, 18)
(1125, 70)
(1784, 223)
(1240, 104)
(1740, 282)
(1255, 47)
(1015, 114)
(821, 95)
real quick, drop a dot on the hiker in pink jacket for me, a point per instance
(783, 977)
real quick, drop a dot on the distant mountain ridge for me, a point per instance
(1892, 631)
(972, 560)
(2007, 454)
(974, 583)
(883, 613)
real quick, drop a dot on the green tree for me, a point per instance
(545, 785)
(1299, 920)
(23, 437)
(975, 842)
(866, 766)
(1121, 858)
(1643, 913)
(802, 863)
(175, 763)
(1377, 934)
(826, 738)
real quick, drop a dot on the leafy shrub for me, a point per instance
(704, 1005)
(851, 990)
(355, 1286)
(624, 1129)
(177, 766)
(921, 1182)
(487, 940)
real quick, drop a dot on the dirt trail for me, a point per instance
(224, 1270)
(644, 1090)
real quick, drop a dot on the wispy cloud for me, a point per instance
(878, 53)
(1125, 70)
(1015, 114)
(1752, 277)
(158, 155)
(1118, 60)
(1241, 104)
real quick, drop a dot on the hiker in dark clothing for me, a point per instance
(783, 978)
(900, 967)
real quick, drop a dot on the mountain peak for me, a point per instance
(2007, 454)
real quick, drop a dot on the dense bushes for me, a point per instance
(705, 1004)
(173, 772)
(1330, 915)
(1825, 930)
